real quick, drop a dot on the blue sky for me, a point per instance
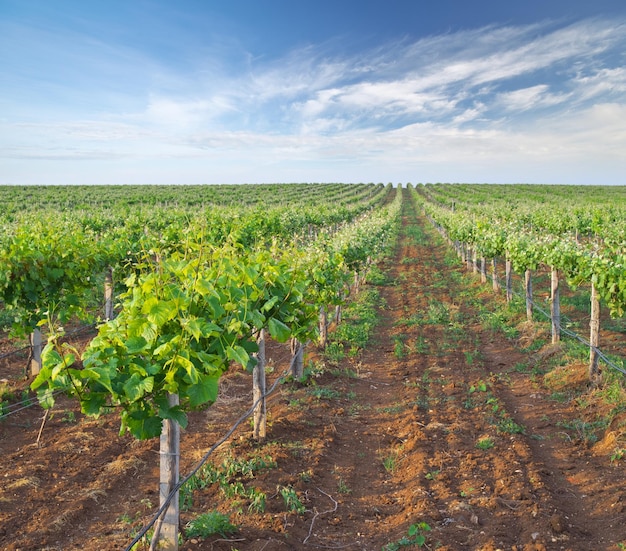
(207, 91)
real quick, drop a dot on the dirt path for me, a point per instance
(437, 422)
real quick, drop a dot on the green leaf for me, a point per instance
(93, 403)
(270, 304)
(194, 328)
(210, 362)
(204, 391)
(136, 387)
(238, 354)
(159, 311)
(142, 425)
(188, 366)
(175, 414)
(99, 375)
(46, 398)
(134, 345)
(278, 330)
(201, 328)
(164, 350)
(217, 309)
(203, 286)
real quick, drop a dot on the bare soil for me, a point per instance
(438, 421)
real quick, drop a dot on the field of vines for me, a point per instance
(296, 366)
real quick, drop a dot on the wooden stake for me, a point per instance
(483, 270)
(258, 391)
(166, 533)
(297, 363)
(555, 306)
(494, 276)
(108, 294)
(528, 286)
(43, 422)
(594, 337)
(36, 346)
(509, 279)
(338, 314)
(323, 327)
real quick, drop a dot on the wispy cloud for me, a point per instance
(493, 94)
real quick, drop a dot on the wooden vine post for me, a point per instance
(528, 287)
(594, 337)
(323, 327)
(494, 276)
(509, 278)
(555, 306)
(36, 348)
(338, 314)
(166, 534)
(108, 294)
(258, 391)
(297, 361)
(483, 270)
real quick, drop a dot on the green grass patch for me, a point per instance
(210, 524)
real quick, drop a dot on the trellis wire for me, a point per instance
(30, 347)
(205, 458)
(569, 333)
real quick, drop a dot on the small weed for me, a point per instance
(499, 322)
(485, 443)
(421, 345)
(324, 393)
(561, 397)
(415, 536)
(343, 488)
(209, 524)
(618, 454)
(431, 475)
(229, 476)
(334, 352)
(292, 501)
(257, 500)
(409, 260)
(376, 276)
(520, 367)
(584, 431)
(481, 386)
(347, 372)
(69, 417)
(355, 409)
(390, 462)
(503, 378)
(506, 425)
(296, 403)
(470, 403)
(399, 348)
(422, 403)
(125, 518)
(438, 313)
(306, 476)
(395, 408)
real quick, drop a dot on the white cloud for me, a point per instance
(495, 95)
(603, 81)
(530, 98)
